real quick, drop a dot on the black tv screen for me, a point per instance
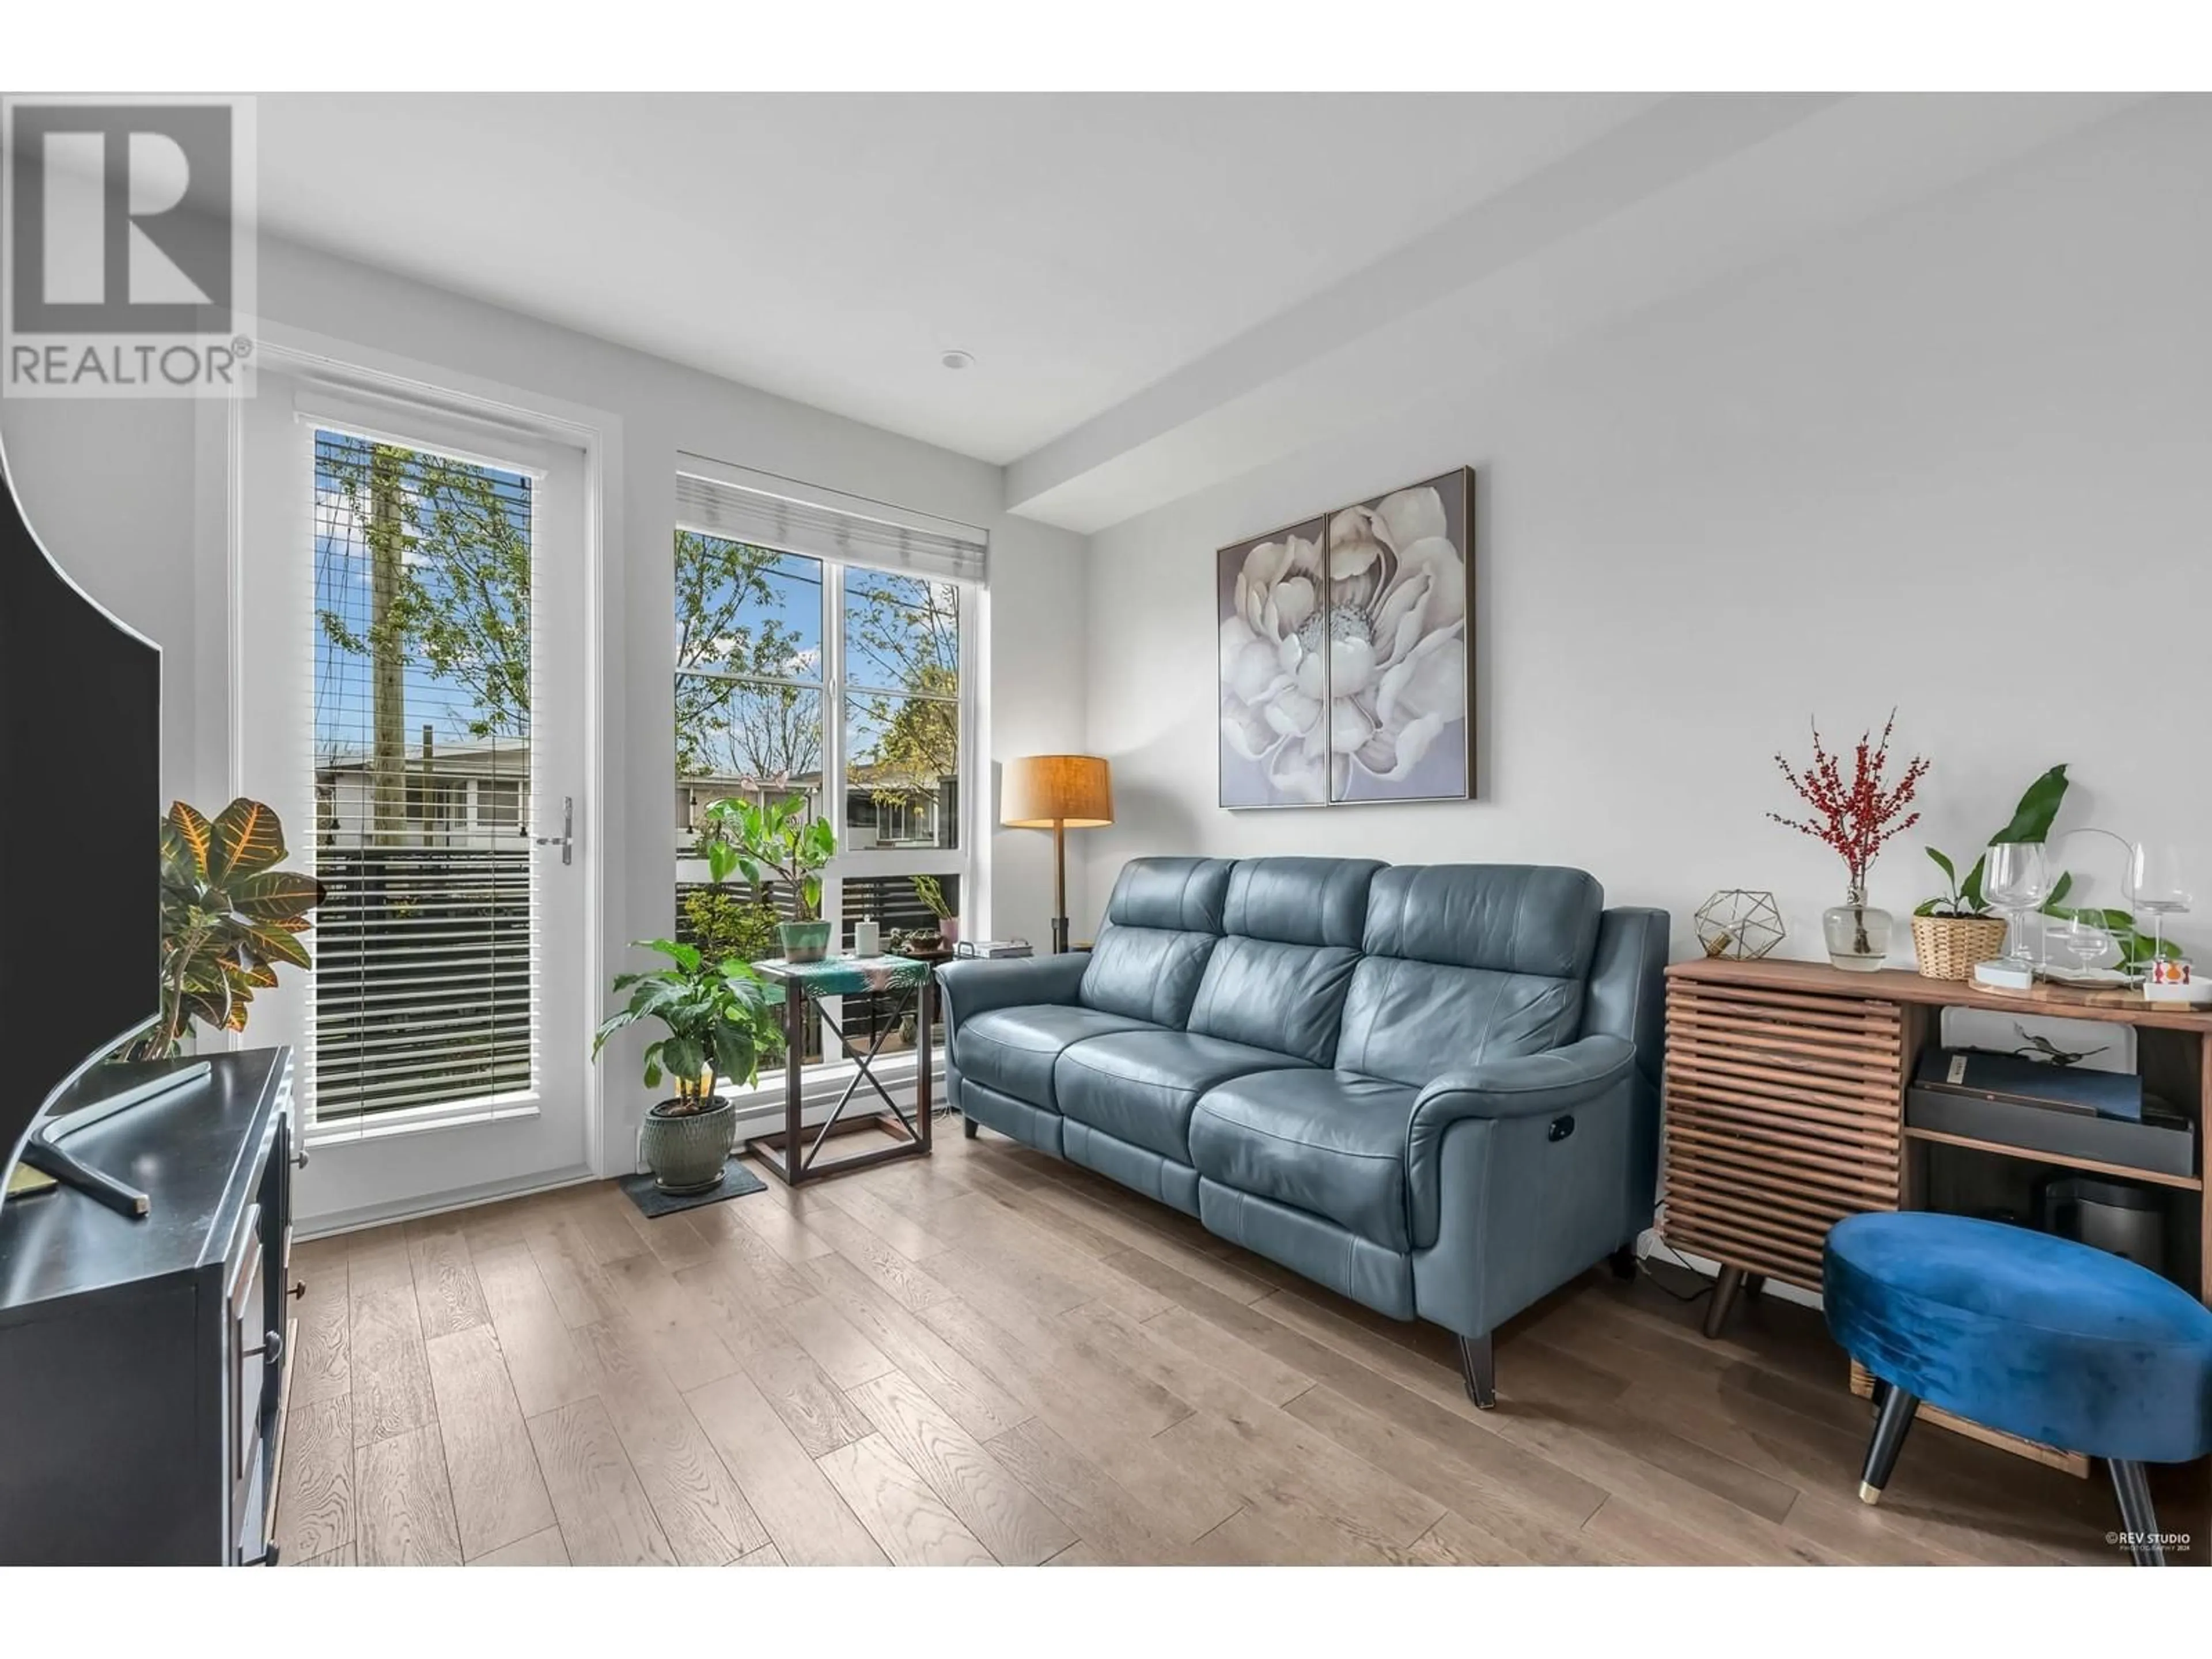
(80, 803)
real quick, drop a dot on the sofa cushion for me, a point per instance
(1139, 1086)
(1277, 980)
(1162, 923)
(1013, 1050)
(1330, 1143)
(1469, 962)
(1299, 901)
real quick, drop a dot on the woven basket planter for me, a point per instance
(1949, 946)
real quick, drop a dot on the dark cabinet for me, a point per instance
(142, 1362)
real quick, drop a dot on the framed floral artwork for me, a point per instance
(1346, 654)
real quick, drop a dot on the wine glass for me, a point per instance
(2084, 941)
(2016, 878)
(2158, 887)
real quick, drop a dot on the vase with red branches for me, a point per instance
(1856, 814)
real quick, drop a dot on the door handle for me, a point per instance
(565, 841)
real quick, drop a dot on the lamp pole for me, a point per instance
(1060, 887)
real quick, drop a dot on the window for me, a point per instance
(902, 653)
(822, 654)
(424, 990)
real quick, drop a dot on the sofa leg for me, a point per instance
(1896, 1417)
(1623, 1261)
(1724, 1294)
(1478, 1368)
(2137, 1519)
(969, 1128)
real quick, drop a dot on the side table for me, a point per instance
(796, 1159)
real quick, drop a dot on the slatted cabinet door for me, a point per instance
(1782, 1119)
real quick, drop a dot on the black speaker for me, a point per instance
(2118, 1216)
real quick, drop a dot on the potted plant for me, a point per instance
(229, 917)
(1955, 929)
(722, 1023)
(778, 844)
(1856, 819)
(931, 892)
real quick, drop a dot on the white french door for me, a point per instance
(410, 666)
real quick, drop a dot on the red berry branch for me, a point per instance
(1859, 818)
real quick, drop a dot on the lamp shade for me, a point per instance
(1073, 791)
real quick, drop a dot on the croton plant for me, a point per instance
(229, 917)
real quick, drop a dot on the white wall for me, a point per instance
(111, 487)
(1868, 476)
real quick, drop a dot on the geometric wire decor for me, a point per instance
(1739, 924)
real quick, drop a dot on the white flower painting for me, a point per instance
(1345, 654)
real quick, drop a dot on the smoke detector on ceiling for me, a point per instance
(957, 359)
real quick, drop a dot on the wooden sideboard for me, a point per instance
(1785, 1113)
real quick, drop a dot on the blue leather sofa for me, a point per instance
(1432, 1089)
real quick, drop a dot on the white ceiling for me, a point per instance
(830, 248)
(1154, 286)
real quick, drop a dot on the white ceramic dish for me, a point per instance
(2086, 979)
(2196, 994)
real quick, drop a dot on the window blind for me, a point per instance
(824, 525)
(425, 982)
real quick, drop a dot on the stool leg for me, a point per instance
(1724, 1292)
(2137, 1519)
(1897, 1409)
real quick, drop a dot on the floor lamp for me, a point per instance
(1057, 792)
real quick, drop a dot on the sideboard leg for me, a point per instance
(1623, 1261)
(1724, 1294)
(1754, 1284)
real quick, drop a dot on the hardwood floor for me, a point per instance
(992, 1357)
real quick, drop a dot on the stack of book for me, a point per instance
(993, 948)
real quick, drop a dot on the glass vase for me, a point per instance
(1858, 933)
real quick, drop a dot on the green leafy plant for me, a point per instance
(720, 1017)
(2031, 822)
(724, 923)
(931, 892)
(778, 844)
(229, 916)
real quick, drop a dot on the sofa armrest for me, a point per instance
(976, 985)
(1502, 1105)
(1526, 1086)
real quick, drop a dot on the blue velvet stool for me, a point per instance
(2039, 1336)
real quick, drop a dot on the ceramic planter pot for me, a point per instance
(804, 941)
(686, 1153)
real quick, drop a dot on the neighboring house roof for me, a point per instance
(505, 759)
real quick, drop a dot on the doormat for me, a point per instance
(737, 1181)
